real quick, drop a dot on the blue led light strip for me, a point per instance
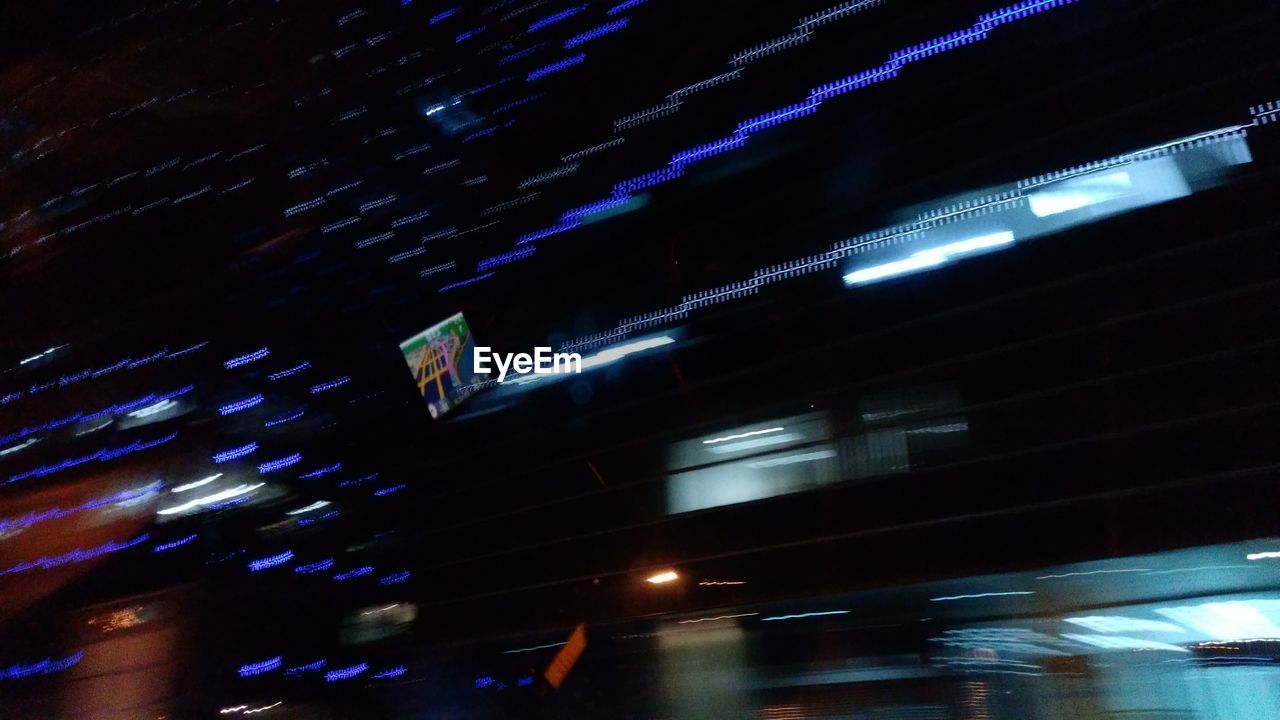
(148, 399)
(103, 455)
(75, 556)
(284, 462)
(346, 673)
(995, 203)
(128, 363)
(46, 666)
(235, 453)
(241, 405)
(9, 525)
(164, 547)
(555, 18)
(594, 33)
(352, 574)
(325, 386)
(270, 561)
(259, 668)
(816, 97)
(555, 67)
(290, 372)
(468, 281)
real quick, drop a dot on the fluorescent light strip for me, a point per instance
(975, 596)
(799, 616)
(237, 491)
(196, 484)
(739, 436)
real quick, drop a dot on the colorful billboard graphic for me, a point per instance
(442, 361)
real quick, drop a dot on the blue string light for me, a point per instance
(235, 453)
(394, 578)
(101, 455)
(321, 472)
(785, 114)
(536, 235)
(505, 258)
(315, 567)
(309, 667)
(259, 668)
(46, 666)
(284, 462)
(555, 67)
(289, 372)
(554, 18)
(115, 409)
(75, 556)
(164, 547)
(287, 417)
(324, 386)
(389, 490)
(468, 34)
(519, 54)
(390, 673)
(588, 36)
(304, 522)
(127, 496)
(624, 6)
(346, 673)
(359, 480)
(443, 14)
(352, 574)
(241, 405)
(246, 359)
(468, 281)
(270, 561)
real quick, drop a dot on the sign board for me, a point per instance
(559, 668)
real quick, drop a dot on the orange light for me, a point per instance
(665, 576)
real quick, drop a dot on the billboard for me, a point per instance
(441, 359)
